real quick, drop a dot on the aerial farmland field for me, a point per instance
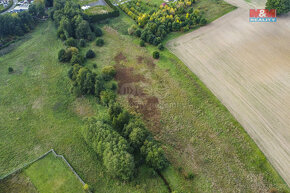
(143, 96)
(246, 65)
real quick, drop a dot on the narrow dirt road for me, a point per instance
(247, 66)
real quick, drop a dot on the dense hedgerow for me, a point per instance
(111, 147)
(176, 16)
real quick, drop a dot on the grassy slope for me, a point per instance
(49, 174)
(199, 133)
(37, 113)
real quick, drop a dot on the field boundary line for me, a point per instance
(39, 158)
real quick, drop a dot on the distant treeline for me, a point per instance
(17, 24)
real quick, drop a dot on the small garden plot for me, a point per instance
(50, 175)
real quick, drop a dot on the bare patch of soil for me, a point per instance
(119, 58)
(147, 60)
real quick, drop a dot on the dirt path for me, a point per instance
(247, 66)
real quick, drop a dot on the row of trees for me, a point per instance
(123, 142)
(134, 131)
(17, 24)
(112, 148)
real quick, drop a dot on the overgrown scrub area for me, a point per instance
(201, 138)
(130, 139)
(38, 112)
(49, 174)
(123, 142)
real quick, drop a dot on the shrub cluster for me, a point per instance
(71, 21)
(123, 141)
(111, 147)
(85, 82)
(176, 16)
(137, 135)
(156, 55)
(71, 55)
(100, 42)
(90, 54)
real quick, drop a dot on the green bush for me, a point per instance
(95, 66)
(137, 137)
(84, 83)
(107, 97)
(99, 87)
(70, 42)
(100, 42)
(64, 56)
(108, 72)
(77, 59)
(142, 43)
(160, 47)
(138, 33)
(10, 69)
(156, 55)
(154, 155)
(98, 32)
(114, 110)
(121, 120)
(203, 21)
(82, 43)
(90, 54)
